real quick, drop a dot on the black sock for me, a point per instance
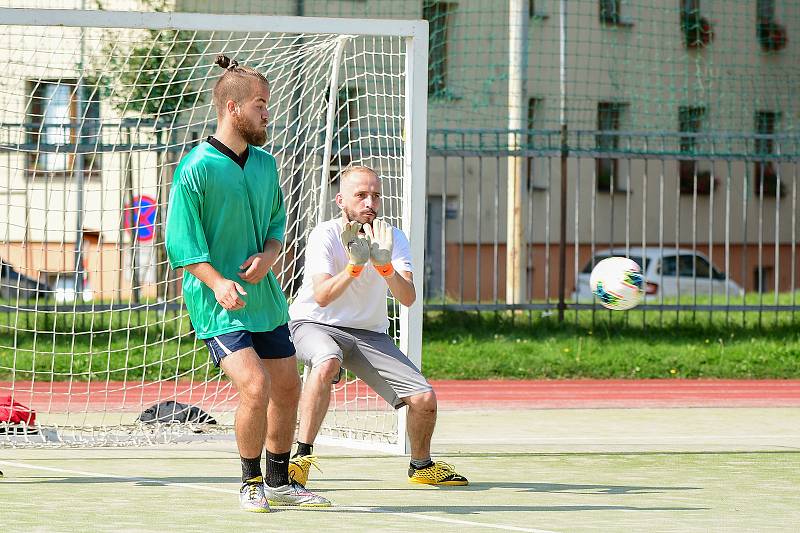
(251, 468)
(303, 449)
(277, 469)
(419, 464)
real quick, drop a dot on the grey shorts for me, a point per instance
(371, 356)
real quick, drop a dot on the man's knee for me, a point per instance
(328, 370)
(424, 402)
(286, 386)
(255, 389)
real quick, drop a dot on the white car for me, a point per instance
(667, 273)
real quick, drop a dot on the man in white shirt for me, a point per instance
(339, 320)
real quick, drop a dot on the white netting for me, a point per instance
(92, 124)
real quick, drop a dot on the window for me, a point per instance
(608, 119)
(686, 266)
(591, 264)
(701, 267)
(765, 172)
(690, 119)
(765, 10)
(534, 116)
(762, 277)
(668, 265)
(533, 13)
(610, 11)
(345, 102)
(697, 30)
(344, 126)
(770, 35)
(439, 16)
(611, 14)
(682, 266)
(537, 166)
(54, 121)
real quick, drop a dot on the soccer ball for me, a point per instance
(618, 283)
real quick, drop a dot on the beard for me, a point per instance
(363, 218)
(252, 134)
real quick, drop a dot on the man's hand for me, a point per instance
(356, 246)
(257, 266)
(227, 294)
(381, 244)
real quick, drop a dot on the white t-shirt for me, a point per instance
(363, 304)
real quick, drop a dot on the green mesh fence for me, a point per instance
(700, 76)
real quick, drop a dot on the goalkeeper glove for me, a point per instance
(357, 248)
(381, 243)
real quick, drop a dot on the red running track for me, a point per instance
(473, 394)
(590, 393)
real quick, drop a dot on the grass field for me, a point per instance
(476, 346)
(576, 470)
(464, 345)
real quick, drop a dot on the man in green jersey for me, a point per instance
(225, 227)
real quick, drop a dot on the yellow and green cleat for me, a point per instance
(439, 473)
(299, 468)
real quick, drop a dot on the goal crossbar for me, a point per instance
(214, 22)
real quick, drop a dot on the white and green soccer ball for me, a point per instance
(618, 283)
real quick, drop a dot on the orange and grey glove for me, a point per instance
(381, 243)
(357, 248)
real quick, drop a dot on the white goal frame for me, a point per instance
(415, 35)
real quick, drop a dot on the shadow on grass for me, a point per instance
(478, 509)
(447, 509)
(472, 487)
(573, 489)
(533, 487)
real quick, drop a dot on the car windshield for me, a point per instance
(590, 265)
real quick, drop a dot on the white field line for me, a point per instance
(114, 476)
(16, 464)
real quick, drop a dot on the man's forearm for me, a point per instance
(272, 250)
(330, 289)
(273, 246)
(402, 288)
(205, 273)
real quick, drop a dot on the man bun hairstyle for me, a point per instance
(236, 83)
(226, 62)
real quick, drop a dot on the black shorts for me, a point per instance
(274, 344)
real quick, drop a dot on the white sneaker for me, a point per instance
(251, 496)
(294, 494)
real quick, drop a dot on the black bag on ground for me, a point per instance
(171, 412)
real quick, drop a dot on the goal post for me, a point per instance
(96, 110)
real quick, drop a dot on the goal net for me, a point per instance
(96, 110)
